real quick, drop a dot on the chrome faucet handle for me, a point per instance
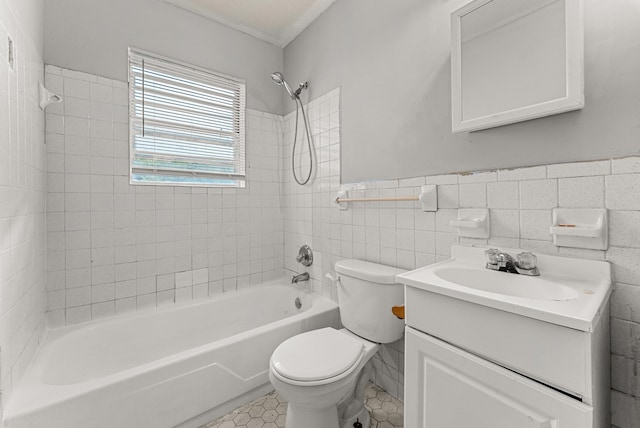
(492, 261)
(305, 256)
(526, 260)
(491, 254)
(526, 264)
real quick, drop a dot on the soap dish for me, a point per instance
(472, 223)
(580, 228)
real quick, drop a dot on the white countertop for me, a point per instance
(590, 279)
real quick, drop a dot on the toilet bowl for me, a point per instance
(323, 373)
(316, 371)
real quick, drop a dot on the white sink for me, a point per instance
(568, 292)
(466, 324)
(528, 287)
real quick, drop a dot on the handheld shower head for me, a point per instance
(278, 79)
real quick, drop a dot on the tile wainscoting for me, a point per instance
(521, 201)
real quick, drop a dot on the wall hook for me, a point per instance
(47, 97)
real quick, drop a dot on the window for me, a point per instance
(186, 124)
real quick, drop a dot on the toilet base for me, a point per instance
(363, 417)
(324, 418)
(352, 410)
(311, 418)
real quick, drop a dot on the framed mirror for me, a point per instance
(515, 60)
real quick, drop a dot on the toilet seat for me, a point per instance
(317, 357)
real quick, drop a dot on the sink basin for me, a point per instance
(569, 292)
(509, 284)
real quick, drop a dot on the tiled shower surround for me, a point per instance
(114, 247)
(108, 240)
(22, 195)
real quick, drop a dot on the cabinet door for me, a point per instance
(446, 387)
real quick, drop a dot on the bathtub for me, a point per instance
(180, 365)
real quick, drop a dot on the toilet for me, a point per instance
(323, 373)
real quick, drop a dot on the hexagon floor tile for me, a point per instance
(270, 412)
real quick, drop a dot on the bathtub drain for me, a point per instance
(298, 303)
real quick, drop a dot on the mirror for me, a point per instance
(515, 60)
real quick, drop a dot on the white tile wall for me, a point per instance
(521, 202)
(114, 247)
(309, 217)
(22, 197)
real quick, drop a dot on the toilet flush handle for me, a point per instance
(333, 278)
(398, 311)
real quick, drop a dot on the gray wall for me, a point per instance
(392, 60)
(93, 35)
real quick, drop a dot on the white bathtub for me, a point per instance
(180, 365)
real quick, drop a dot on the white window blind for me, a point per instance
(187, 125)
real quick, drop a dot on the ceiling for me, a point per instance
(275, 21)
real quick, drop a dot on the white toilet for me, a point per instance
(323, 373)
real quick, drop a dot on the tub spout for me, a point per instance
(302, 277)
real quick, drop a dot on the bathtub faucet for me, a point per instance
(302, 277)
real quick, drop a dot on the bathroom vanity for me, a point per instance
(489, 349)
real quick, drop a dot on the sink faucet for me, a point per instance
(505, 262)
(302, 277)
(525, 263)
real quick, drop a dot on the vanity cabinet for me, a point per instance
(479, 359)
(447, 387)
(471, 366)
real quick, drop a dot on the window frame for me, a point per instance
(216, 179)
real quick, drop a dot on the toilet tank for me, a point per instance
(366, 293)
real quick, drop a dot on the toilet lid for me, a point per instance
(316, 355)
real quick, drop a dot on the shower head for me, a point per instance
(278, 79)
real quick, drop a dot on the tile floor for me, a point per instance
(270, 412)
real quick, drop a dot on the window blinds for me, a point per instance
(187, 125)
